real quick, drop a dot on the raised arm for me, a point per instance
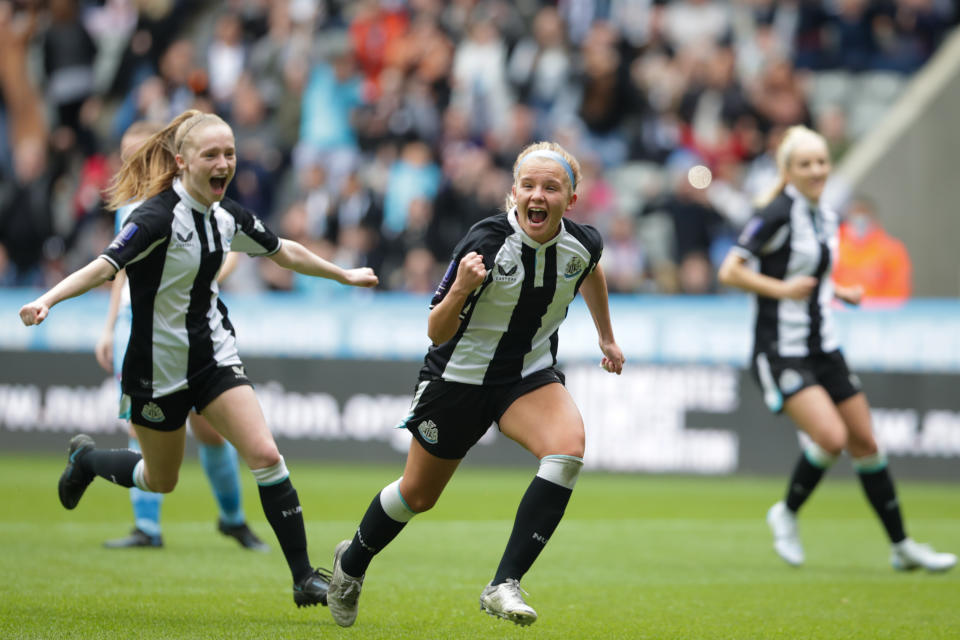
(296, 257)
(104, 347)
(594, 292)
(734, 272)
(78, 282)
(444, 318)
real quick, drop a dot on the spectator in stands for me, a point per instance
(869, 257)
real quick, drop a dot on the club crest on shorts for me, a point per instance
(574, 266)
(152, 412)
(429, 431)
(790, 380)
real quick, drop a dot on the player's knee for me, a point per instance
(261, 456)
(164, 483)
(862, 446)
(417, 499)
(833, 442)
(570, 443)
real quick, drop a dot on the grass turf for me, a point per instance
(635, 557)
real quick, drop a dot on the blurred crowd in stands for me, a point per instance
(378, 131)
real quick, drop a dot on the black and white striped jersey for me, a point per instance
(790, 238)
(508, 326)
(172, 248)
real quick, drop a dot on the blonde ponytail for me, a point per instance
(791, 138)
(152, 168)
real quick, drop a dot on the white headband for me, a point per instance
(551, 155)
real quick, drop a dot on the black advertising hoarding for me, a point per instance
(702, 419)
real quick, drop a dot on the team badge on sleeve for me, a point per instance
(752, 226)
(124, 236)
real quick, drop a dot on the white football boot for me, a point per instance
(343, 593)
(786, 535)
(505, 600)
(909, 554)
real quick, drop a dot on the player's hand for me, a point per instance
(799, 287)
(360, 277)
(104, 352)
(851, 295)
(470, 272)
(613, 358)
(33, 312)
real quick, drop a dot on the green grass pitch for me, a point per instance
(635, 557)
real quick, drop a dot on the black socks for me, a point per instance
(116, 465)
(538, 515)
(282, 508)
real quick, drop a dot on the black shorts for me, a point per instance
(448, 418)
(779, 378)
(169, 413)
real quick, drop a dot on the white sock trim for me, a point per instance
(393, 503)
(869, 464)
(139, 479)
(560, 469)
(818, 456)
(274, 474)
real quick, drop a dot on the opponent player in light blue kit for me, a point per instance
(218, 457)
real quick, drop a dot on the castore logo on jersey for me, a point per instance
(505, 275)
(183, 241)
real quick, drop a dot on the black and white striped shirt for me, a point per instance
(508, 326)
(790, 238)
(172, 247)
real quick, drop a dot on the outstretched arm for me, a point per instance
(78, 282)
(296, 257)
(594, 292)
(104, 348)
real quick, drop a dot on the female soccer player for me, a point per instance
(217, 456)
(796, 356)
(493, 323)
(182, 352)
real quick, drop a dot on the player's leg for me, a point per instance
(871, 466)
(155, 469)
(146, 512)
(424, 478)
(219, 461)
(814, 413)
(548, 424)
(236, 414)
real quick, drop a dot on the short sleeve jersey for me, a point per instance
(509, 324)
(172, 248)
(788, 238)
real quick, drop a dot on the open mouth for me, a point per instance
(218, 184)
(536, 215)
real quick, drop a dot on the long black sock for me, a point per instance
(804, 480)
(878, 485)
(375, 532)
(282, 508)
(116, 465)
(538, 515)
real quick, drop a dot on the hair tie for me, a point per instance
(551, 155)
